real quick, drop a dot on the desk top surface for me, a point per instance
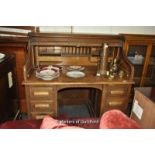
(90, 78)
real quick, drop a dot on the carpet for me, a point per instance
(74, 111)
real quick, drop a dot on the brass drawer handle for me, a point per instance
(117, 92)
(41, 93)
(115, 103)
(39, 116)
(41, 105)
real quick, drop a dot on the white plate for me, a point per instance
(138, 61)
(2, 55)
(47, 78)
(46, 72)
(75, 74)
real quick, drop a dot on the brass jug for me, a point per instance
(103, 60)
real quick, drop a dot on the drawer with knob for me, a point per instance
(43, 93)
(41, 115)
(39, 106)
(117, 90)
(115, 103)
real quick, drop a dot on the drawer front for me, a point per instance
(43, 93)
(117, 90)
(116, 103)
(41, 115)
(112, 108)
(42, 106)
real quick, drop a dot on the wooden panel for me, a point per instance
(67, 60)
(8, 94)
(143, 98)
(73, 96)
(19, 53)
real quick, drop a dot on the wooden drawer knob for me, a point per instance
(39, 116)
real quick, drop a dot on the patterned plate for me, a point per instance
(80, 68)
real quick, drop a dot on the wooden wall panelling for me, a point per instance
(20, 53)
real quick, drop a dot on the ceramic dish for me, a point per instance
(80, 68)
(45, 77)
(43, 67)
(2, 55)
(47, 74)
(75, 74)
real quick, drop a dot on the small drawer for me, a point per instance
(117, 90)
(41, 115)
(124, 110)
(41, 93)
(42, 106)
(116, 102)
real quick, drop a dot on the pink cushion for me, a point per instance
(115, 119)
(21, 124)
(87, 123)
(51, 123)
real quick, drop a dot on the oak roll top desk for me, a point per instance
(105, 92)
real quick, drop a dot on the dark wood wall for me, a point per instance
(18, 47)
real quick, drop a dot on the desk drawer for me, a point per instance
(42, 106)
(117, 90)
(115, 102)
(41, 115)
(45, 93)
